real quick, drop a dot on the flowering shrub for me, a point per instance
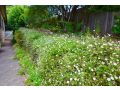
(64, 60)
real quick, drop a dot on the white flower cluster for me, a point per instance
(69, 60)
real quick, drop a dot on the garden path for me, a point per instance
(9, 67)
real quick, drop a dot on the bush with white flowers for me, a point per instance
(63, 60)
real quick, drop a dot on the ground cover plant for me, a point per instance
(69, 60)
(28, 68)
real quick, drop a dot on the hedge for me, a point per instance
(63, 61)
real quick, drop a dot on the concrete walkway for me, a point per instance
(9, 67)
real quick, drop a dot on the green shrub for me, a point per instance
(28, 67)
(28, 37)
(116, 27)
(69, 26)
(51, 27)
(18, 37)
(64, 60)
(78, 26)
(15, 17)
(88, 62)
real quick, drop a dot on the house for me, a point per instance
(3, 20)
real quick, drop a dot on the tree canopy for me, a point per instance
(53, 17)
(15, 15)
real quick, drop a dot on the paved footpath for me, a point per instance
(9, 67)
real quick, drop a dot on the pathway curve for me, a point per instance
(9, 67)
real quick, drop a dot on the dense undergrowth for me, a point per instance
(28, 68)
(67, 59)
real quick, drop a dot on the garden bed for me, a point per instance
(69, 60)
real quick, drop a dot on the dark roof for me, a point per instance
(3, 12)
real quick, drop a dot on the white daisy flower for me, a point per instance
(75, 79)
(94, 78)
(116, 77)
(112, 78)
(108, 79)
(70, 79)
(68, 82)
(92, 70)
(114, 64)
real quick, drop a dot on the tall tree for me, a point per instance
(36, 15)
(15, 17)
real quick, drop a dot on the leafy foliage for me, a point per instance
(116, 27)
(15, 17)
(69, 26)
(55, 17)
(102, 8)
(65, 60)
(36, 15)
(28, 67)
(19, 38)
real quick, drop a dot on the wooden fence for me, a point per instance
(104, 21)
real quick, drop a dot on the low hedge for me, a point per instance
(62, 60)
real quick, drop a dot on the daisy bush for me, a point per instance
(69, 60)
